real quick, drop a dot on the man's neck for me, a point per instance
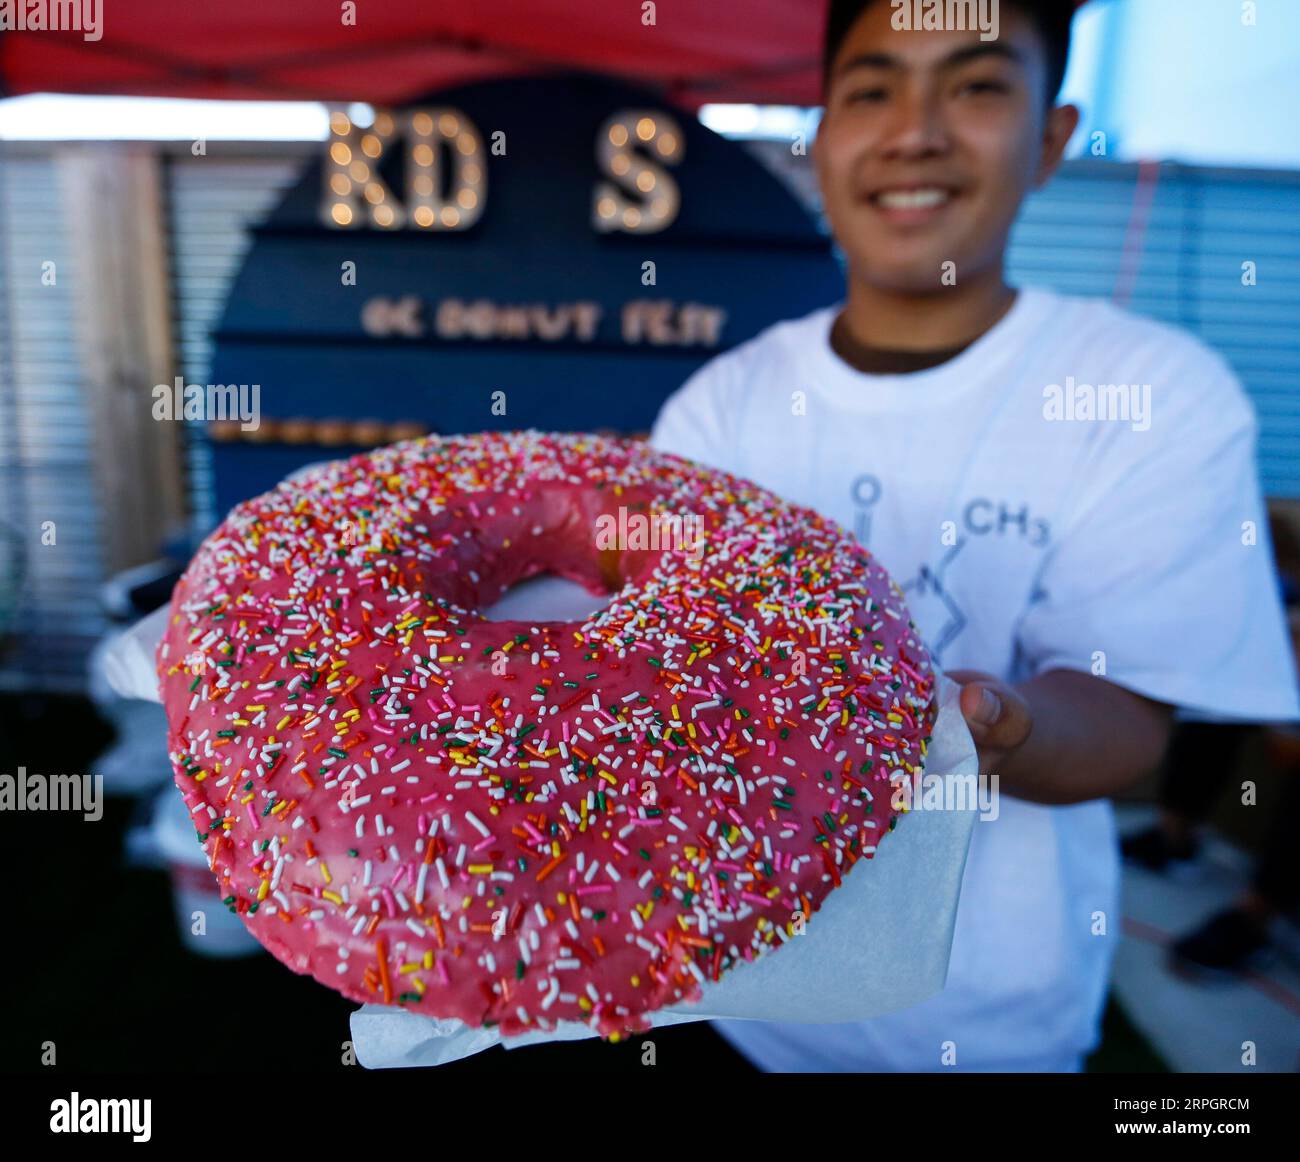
(952, 318)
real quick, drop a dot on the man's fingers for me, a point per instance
(997, 715)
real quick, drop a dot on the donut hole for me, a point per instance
(537, 556)
(546, 597)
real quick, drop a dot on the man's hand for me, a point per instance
(999, 718)
(1064, 736)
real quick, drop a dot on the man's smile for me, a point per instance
(911, 203)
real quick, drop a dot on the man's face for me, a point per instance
(929, 142)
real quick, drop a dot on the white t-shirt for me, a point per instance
(1023, 543)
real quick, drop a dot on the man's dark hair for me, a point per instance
(1051, 18)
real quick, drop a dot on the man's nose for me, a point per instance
(916, 127)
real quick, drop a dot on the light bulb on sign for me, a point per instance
(454, 139)
(354, 193)
(625, 147)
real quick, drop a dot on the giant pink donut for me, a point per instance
(511, 822)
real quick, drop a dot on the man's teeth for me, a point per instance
(912, 199)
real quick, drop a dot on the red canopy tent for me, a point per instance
(755, 50)
(694, 52)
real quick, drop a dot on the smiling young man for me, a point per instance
(1080, 571)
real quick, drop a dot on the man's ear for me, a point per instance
(1062, 121)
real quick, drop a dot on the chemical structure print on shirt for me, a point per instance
(866, 491)
(981, 517)
(931, 600)
(927, 588)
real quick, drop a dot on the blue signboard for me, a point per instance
(557, 252)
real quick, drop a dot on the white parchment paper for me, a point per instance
(879, 943)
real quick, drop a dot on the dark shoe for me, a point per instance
(1226, 945)
(1152, 850)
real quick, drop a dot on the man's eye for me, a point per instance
(981, 88)
(867, 95)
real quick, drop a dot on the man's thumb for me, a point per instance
(984, 710)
